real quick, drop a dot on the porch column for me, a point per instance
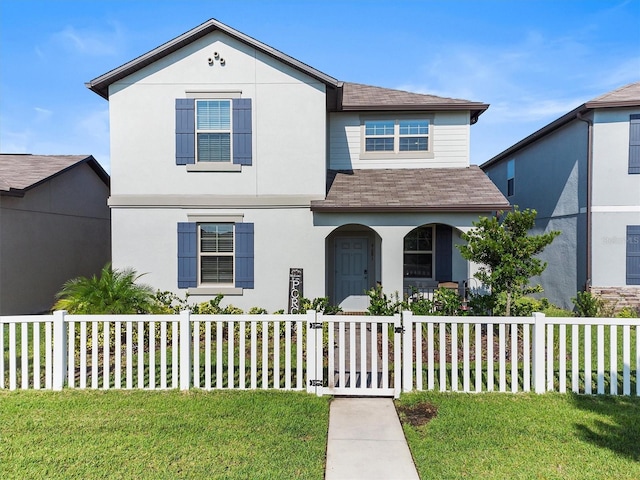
(392, 248)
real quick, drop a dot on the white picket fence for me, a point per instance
(338, 355)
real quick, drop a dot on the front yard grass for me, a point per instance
(501, 435)
(166, 434)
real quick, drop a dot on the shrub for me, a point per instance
(587, 305)
(628, 312)
(381, 305)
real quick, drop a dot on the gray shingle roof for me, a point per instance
(19, 172)
(411, 190)
(358, 97)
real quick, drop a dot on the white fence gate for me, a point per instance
(361, 354)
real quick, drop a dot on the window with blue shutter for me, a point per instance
(444, 265)
(185, 131)
(187, 255)
(223, 255)
(213, 131)
(242, 151)
(634, 143)
(633, 255)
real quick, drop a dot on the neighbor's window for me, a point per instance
(405, 135)
(511, 177)
(213, 130)
(418, 253)
(215, 253)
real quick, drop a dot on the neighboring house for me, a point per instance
(233, 162)
(54, 225)
(582, 174)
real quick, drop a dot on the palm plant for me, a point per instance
(114, 292)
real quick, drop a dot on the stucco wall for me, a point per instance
(288, 115)
(284, 238)
(57, 231)
(551, 177)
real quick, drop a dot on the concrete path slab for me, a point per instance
(366, 441)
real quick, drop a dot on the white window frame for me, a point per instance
(204, 131)
(396, 153)
(202, 254)
(432, 252)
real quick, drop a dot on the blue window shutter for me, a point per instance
(444, 265)
(244, 255)
(187, 255)
(634, 143)
(242, 152)
(185, 131)
(633, 255)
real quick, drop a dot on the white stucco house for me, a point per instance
(233, 162)
(54, 225)
(582, 174)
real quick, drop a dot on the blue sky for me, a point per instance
(531, 60)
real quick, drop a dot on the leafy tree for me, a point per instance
(506, 253)
(114, 292)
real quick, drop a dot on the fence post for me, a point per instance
(407, 351)
(539, 328)
(185, 350)
(59, 350)
(312, 354)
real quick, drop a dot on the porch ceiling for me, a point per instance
(411, 190)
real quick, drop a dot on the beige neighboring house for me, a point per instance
(54, 225)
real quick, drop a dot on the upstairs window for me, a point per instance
(403, 136)
(511, 177)
(634, 143)
(213, 130)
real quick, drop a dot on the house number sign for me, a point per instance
(295, 289)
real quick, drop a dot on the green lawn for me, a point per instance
(526, 436)
(171, 434)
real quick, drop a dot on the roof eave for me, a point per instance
(612, 104)
(475, 109)
(471, 208)
(100, 85)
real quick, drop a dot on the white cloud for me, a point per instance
(87, 41)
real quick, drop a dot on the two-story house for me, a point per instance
(233, 162)
(582, 174)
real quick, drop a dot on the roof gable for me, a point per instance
(21, 172)
(100, 85)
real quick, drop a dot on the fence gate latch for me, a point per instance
(315, 383)
(315, 325)
(398, 329)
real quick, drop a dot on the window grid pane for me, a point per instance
(216, 269)
(379, 127)
(214, 115)
(418, 253)
(379, 145)
(214, 147)
(414, 127)
(413, 144)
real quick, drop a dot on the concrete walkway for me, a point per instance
(366, 441)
